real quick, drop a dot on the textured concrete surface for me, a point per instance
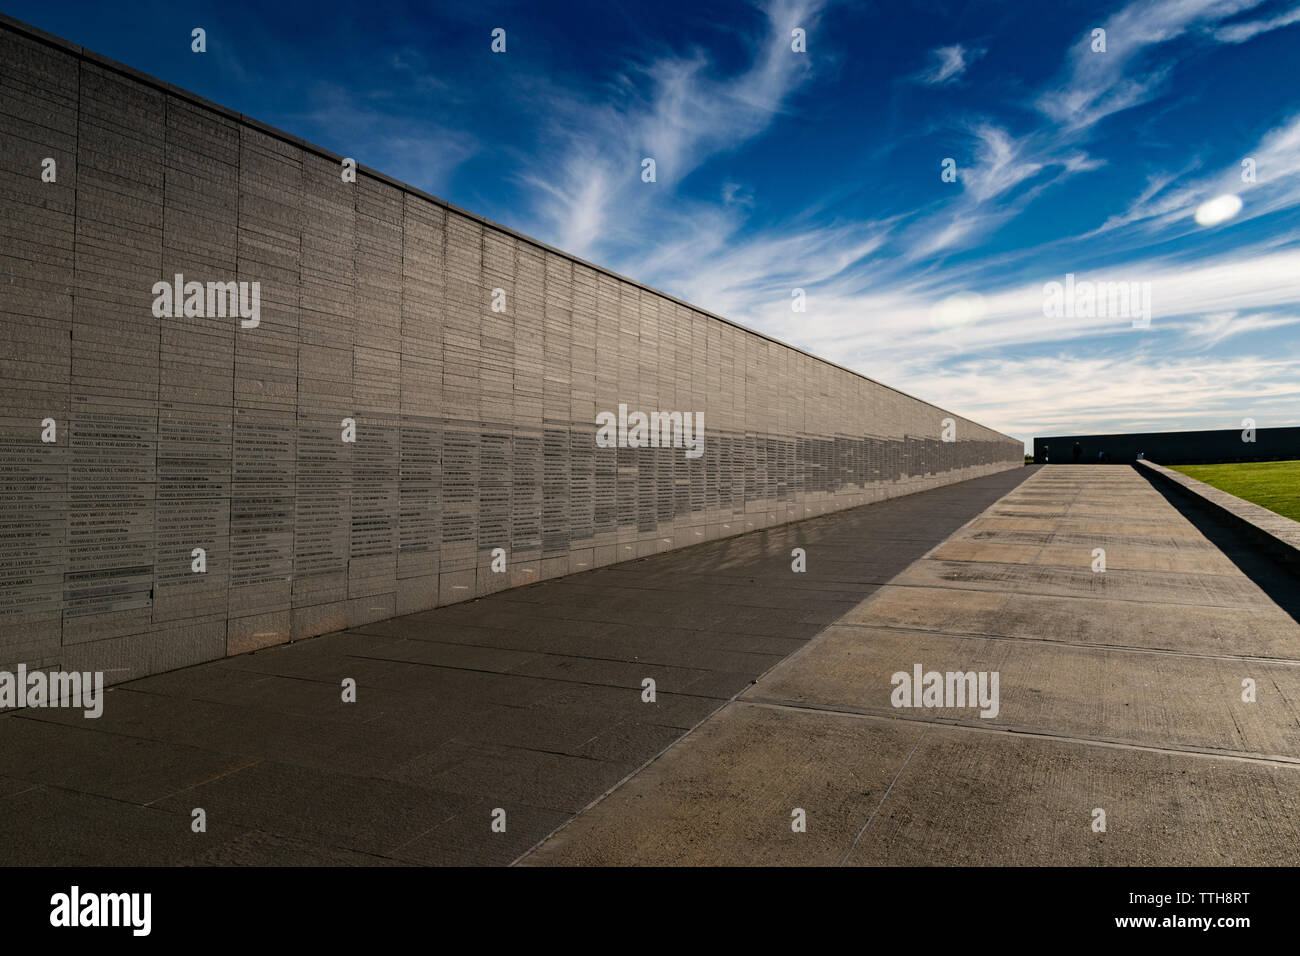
(473, 362)
(529, 700)
(1119, 690)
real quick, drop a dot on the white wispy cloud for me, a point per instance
(999, 165)
(1169, 199)
(1209, 330)
(674, 110)
(1096, 84)
(947, 64)
(741, 276)
(1250, 279)
(1241, 32)
(999, 162)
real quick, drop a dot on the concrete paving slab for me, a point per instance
(50, 826)
(1122, 553)
(12, 785)
(1165, 587)
(981, 799)
(121, 768)
(1136, 696)
(469, 840)
(1263, 631)
(321, 807)
(727, 794)
(519, 775)
(258, 848)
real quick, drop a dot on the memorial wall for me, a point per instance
(246, 401)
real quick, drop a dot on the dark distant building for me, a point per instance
(1171, 448)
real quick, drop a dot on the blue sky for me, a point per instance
(822, 170)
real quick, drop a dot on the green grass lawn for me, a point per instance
(1273, 484)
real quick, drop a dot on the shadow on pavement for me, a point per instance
(1279, 582)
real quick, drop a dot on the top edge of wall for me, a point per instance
(35, 33)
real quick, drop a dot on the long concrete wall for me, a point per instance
(474, 428)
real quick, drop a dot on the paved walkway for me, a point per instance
(528, 700)
(1119, 692)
